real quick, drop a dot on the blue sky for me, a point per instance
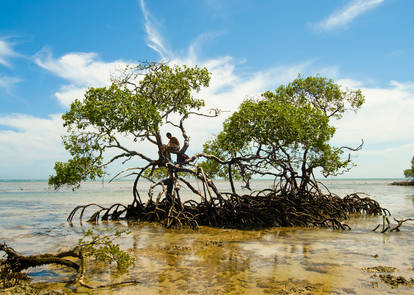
(51, 51)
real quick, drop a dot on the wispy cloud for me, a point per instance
(155, 40)
(227, 89)
(347, 14)
(7, 82)
(81, 70)
(6, 52)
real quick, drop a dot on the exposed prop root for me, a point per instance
(291, 201)
(267, 208)
(386, 224)
(15, 262)
(113, 212)
(18, 262)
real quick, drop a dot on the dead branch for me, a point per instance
(16, 262)
(387, 227)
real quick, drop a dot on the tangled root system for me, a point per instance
(282, 205)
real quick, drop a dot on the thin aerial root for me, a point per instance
(285, 204)
(82, 208)
(387, 227)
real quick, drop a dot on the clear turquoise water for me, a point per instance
(33, 220)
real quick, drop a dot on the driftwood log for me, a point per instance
(15, 262)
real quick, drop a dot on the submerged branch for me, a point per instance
(387, 227)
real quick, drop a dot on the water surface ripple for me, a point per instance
(218, 261)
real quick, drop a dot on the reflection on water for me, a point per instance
(223, 261)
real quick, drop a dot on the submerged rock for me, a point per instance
(384, 275)
(395, 281)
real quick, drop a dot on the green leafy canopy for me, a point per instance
(99, 244)
(289, 129)
(409, 173)
(137, 104)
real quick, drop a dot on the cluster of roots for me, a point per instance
(279, 206)
(270, 210)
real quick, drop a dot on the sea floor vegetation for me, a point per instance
(385, 275)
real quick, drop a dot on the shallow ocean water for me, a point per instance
(217, 261)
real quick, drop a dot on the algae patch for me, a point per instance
(380, 268)
(290, 286)
(383, 273)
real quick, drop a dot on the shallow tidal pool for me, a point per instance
(222, 261)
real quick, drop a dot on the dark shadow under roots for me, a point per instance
(284, 205)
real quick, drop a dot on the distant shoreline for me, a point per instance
(403, 183)
(394, 179)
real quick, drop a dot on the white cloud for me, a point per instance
(155, 40)
(30, 127)
(7, 82)
(6, 52)
(67, 94)
(79, 68)
(30, 146)
(227, 89)
(350, 83)
(385, 124)
(82, 70)
(405, 87)
(385, 117)
(347, 14)
(382, 163)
